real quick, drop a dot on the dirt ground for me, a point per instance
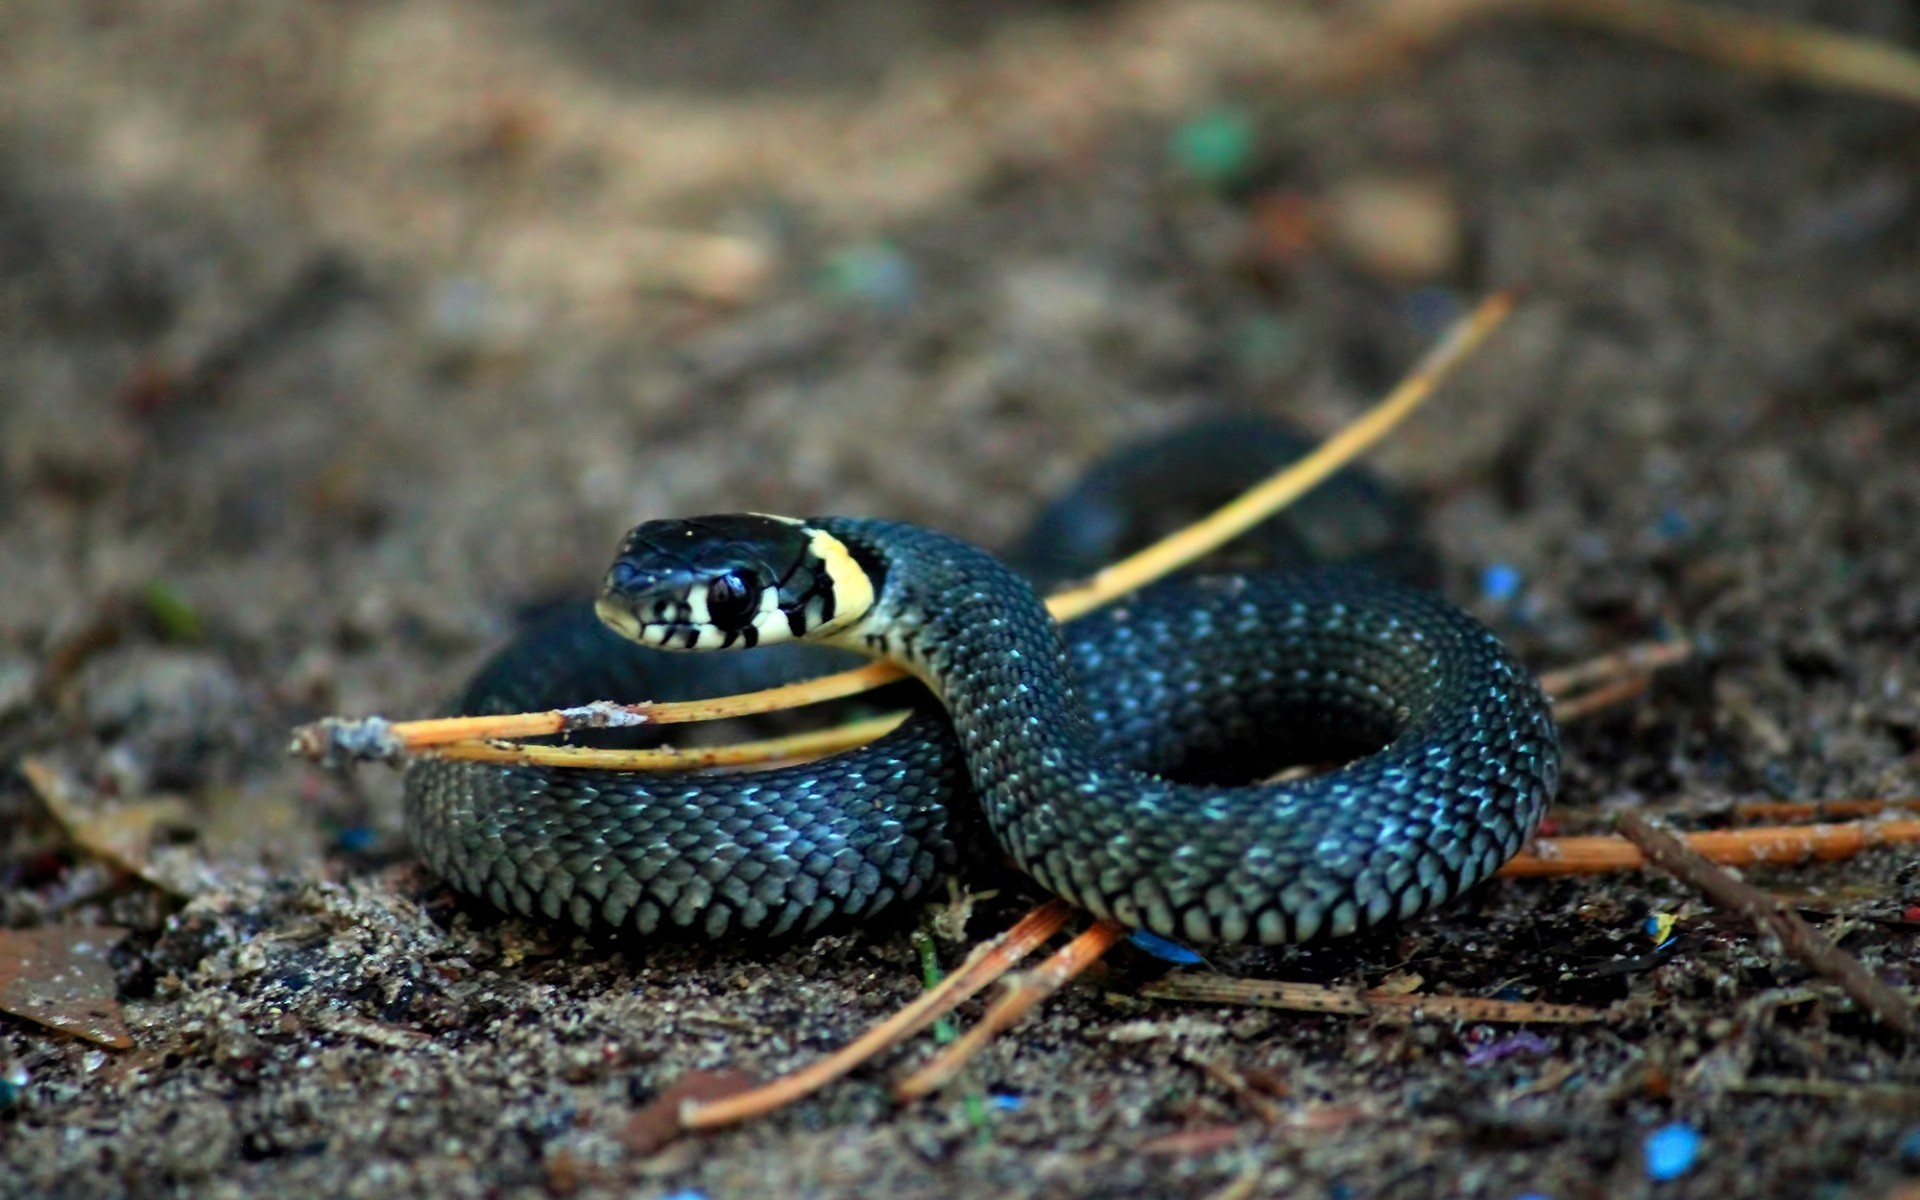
(335, 336)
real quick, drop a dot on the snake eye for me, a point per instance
(732, 601)
(625, 575)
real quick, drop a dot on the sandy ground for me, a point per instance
(336, 335)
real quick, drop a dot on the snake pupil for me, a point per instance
(731, 602)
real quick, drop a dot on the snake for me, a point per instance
(1109, 758)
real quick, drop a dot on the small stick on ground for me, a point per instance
(1069, 961)
(1404, 30)
(339, 740)
(1587, 703)
(1755, 44)
(988, 962)
(1261, 501)
(1777, 844)
(1310, 997)
(1773, 916)
(794, 747)
(1243, 1091)
(1587, 687)
(1636, 660)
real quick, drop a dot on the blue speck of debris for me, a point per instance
(1671, 1151)
(873, 273)
(1672, 524)
(1007, 1102)
(354, 838)
(1163, 949)
(685, 1194)
(1500, 583)
(1531, 1196)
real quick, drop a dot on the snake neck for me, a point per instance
(964, 623)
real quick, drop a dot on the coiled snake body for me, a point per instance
(1104, 758)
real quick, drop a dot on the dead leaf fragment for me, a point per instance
(652, 1127)
(58, 976)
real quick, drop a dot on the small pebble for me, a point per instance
(1399, 229)
(1672, 525)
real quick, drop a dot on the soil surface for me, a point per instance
(336, 336)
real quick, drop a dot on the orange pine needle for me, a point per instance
(988, 962)
(1069, 961)
(794, 747)
(1769, 844)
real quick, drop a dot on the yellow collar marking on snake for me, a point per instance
(852, 586)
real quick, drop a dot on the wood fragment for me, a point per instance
(1667, 850)
(1309, 997)
(1402, 31)
(1631, 662)
(1243, 1091)
(1587, 703)
(1755, 44)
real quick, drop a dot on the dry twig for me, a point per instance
(1666, 850)
(1309, 997)
(1782, 49)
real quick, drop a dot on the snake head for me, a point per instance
(740, 579)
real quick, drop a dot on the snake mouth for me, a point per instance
(675, 632)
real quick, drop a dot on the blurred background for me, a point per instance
(333, 336)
